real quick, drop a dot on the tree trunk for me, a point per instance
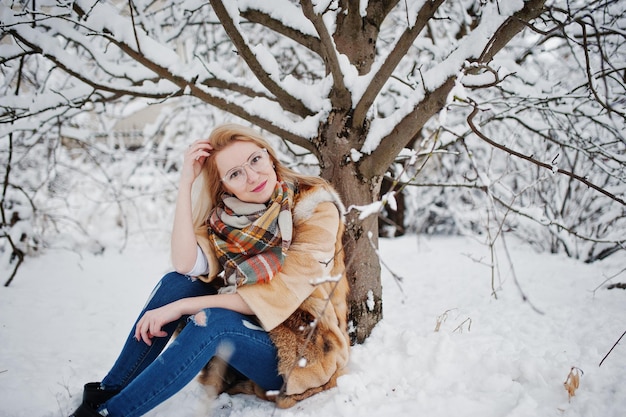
(363, 267)
(360, 241)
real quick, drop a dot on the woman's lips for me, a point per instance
(260, 187)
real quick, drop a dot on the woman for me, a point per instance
(280, 329)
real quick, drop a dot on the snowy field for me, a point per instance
(64, 318)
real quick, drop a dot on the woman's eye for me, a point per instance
(234, 174)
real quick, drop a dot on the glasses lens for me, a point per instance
(235, 176)
(258, 161)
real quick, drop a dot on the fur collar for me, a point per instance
(310, 198)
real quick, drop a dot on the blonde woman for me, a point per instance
(259, 268)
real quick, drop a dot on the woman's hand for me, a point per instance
(194, 158)
(151, 323)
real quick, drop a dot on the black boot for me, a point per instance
(94, 396)
(85, 411)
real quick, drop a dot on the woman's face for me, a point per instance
(246, 171)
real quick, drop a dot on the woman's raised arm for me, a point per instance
(183, 242)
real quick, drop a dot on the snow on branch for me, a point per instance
(478, 46)
(261, 64)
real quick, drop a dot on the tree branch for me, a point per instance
(470, 121)
(310, 42)
(558, 225)
(90, 81)
(435, 100)
(182, 83)
(511, 27)
(339, 96)
(286, 100)
(393, 59)
(241, 112)
(17, 252)
(599, 100)
(387, 150)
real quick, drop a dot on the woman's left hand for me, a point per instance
(151, 323)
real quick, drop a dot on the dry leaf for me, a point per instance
(572, 382)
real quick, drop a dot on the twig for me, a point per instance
(612, 347)
(607, 280)
(460, 326)
(517, 284)
(132, 19)
(397, 278)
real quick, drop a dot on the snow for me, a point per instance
(284, 11)
(65, 316)
(445, 347)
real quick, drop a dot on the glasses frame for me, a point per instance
(243, 167)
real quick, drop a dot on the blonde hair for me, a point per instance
(208, 187)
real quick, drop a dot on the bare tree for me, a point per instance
(352, 83)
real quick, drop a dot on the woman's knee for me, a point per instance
(170, 287)
(172, 278)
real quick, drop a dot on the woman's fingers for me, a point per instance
(149, 326)
(194, 158)
(200, 147)
(143, 331)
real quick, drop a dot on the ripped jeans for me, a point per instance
(148, 375)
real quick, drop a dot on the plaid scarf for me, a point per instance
(250, 239)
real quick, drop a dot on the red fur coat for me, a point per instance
(304, 308)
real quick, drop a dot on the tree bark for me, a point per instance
(360, 240)
(356, 35)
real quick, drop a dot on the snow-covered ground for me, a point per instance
(64, 318)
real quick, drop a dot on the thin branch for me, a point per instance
(132, 19)
(17, 252)
(607, 280)
(517, 283)
(599, 100)
(310, 42)
(5, 182)
(511, 27)
(460, 326)
(90, 80)
(397, 278)
(470, 121)
(611, 350)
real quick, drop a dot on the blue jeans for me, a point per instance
(148, 375)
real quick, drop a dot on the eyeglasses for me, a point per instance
(237, 176)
